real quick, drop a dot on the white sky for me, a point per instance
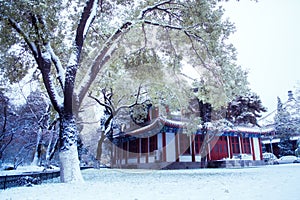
(268, 44)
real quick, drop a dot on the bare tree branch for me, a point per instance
(101, 103)
(151, 8)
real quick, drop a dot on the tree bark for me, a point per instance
(69, 165)
(36, 157)
(203, 163)
(99, 147)
(68, 155)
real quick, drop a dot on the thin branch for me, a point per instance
(145, 36)
(163, 25)
(131, 105)
(198, 38)
(30, 108)
(100, 103)
(151, 8)
(107, 100)
(138, 93)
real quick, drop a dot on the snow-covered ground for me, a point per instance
(276, 182)
(24, 169)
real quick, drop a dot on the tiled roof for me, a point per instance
(160, 123)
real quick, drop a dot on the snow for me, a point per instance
(69, 166)
(91, 17)
(58, 98)
(58, 64)
(254, 129)
(73, 58)
(24, 169)
(266, 182)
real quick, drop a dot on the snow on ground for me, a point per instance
(24, 169)
(267, 182)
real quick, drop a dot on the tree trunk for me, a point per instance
(37, 154)
(203, 163)
(69, 161)
(99, 147)
(203, 153)
(51, 148)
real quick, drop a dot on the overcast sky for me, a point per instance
(268, 44)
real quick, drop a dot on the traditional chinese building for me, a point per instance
(163, 145)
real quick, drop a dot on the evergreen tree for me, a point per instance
(284, 128)
(245, 109)
(296, 116)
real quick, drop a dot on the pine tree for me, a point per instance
(297, 116)
(284, 127)
(245, 109)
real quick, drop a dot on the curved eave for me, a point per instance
(156, 126)
(160, 124)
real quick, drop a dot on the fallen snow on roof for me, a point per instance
(254, 129)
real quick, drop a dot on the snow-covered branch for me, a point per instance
(101, 59)
(87, 17)
(44, 64)
(43, 60)
(151, 8)
(163, 25)
(59, 68)
(111, 44)
(31, 45)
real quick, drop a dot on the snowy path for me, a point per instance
(269, 182)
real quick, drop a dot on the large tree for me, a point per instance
(67, 39)
(6, 136)
(297, 116)
(245, 110)
(34, 25)
(285, 128)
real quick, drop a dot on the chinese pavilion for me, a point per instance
(163, 145)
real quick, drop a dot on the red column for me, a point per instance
(252, 147)
(260, 149)
(126, 152)
(164, 146)
(230, 147)
(138, 150)
(147, 150)
(193, 148)
(113, 154)
(242, 144)
(119, 152)
(176, 147)
(208, 147)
